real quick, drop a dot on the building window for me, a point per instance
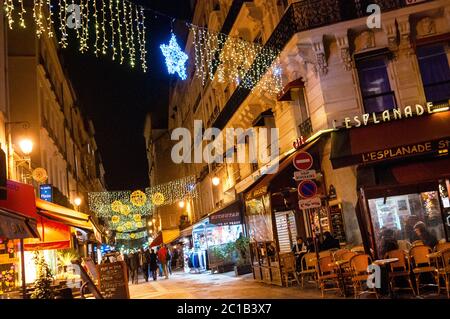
(435, 72)
(374, 83)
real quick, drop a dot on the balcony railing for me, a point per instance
(301, 16)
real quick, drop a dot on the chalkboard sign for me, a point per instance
(337, 223)
(113, 280)
(89, 264)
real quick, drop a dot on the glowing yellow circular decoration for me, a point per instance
(116, 206)
(138, 198)
(125, 210)
(120, 229)
(128, 224)
(139, 225)
(39, 175)
(158, 199)
(115, 219)
(133, 235)
(137, 218)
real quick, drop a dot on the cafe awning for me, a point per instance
(157, 241)
(228, 215)
(165, 237)
(426, 135)
(52, 234)
(17, 226)
(67, 216)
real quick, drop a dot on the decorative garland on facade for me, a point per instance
(131, 236)
(173, 192)
(119, 203)
(231, 59)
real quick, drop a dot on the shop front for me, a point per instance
(403, 172)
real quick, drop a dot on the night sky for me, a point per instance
(117, 98)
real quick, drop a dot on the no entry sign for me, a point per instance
(303, 161)
(307, 189)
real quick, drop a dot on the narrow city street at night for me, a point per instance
(257, 155)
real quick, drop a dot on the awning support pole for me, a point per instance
(22, 262)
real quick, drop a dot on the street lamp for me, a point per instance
(215, 181)
(150, 223)
(77, 201)
(181, 204)
(26, 146)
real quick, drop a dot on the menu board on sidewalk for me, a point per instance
(113, 280)
(337, 223)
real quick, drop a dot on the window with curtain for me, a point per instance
(435, 72)
(374, 83)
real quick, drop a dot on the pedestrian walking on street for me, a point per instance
(162, 257)
(160, 273)
(134, 265)
(169, 261)
(126, 258)
(144, 263)
(153, 264)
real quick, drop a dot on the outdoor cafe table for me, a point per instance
(338, 264)
(384, 265)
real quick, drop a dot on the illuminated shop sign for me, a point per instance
(389, 115)
(440, 147)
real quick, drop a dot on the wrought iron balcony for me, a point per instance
(301, 16)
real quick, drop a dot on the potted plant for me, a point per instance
(43, 284)
(243, 265)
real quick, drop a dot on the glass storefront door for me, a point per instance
(394, 219)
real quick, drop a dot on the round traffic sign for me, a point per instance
(303, 161)
(307, 189)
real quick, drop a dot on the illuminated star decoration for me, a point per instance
(175, 58)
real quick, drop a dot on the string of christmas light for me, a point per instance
(108, 204)
(235, 60)
(127, 236)
(49, 19)
(21, 14)
(119, 31)
(62, 24)
(113, 32)
(142, 37)
(79, 23)
(38, 16)
(173, 192)
(97, 29)
(132, 43)
(84, 7)
(9, 9)
(127, 30)
(104, 39)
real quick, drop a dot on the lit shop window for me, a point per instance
(435, 72)
(395, 218)
(374, 83)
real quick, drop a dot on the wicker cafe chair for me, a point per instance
(289, 272)
(359, 264)
(421, 264)
(358, 249)
(339, 253)
(308, 268)
(399, 269)
(444, 270)
(327, 274)
(442, 246)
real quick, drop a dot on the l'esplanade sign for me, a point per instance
(387, 115)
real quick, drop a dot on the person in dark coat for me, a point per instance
(424, 235)
(153, 264)
(145, 261)
(134, 265)
(388, 241)
(310, 245)
(329, 242)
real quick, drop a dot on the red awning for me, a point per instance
(157, 241)
(53, 235)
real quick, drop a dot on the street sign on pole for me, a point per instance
(303, 161)
(314, 202)
(303, 175)
(307, 189)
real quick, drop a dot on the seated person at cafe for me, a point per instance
(424, 235)
(388, 241)
(310, 245)
(329, 242)
(299, 249)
